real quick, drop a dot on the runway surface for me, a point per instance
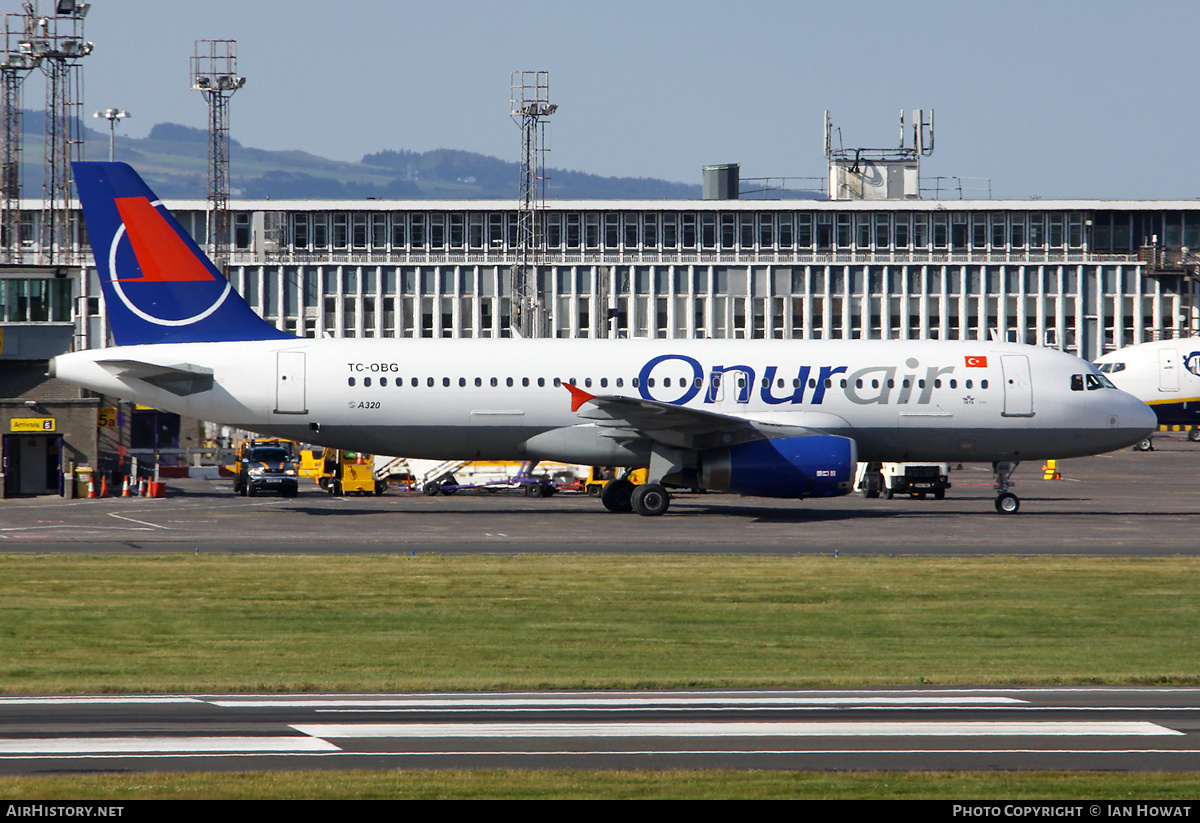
(919, 729)
(1125, 503)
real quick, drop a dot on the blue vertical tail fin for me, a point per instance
(159, 287)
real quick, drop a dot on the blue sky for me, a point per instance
(1051, 99)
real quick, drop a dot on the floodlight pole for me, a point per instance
(214, 74)
(113, 116)
(529, 103)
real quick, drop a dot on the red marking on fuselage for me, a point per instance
(160, 251)
(578, 396)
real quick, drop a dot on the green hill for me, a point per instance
(174, 161)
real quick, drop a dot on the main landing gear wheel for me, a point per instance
(1144, 445)
(1194, 435)
(1008, 503)
(650, 500)
(617, 496)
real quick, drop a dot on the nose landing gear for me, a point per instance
(1006, 501)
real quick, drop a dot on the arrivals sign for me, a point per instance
(32, 424)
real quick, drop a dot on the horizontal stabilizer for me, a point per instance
(180, 379)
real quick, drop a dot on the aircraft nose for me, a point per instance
(1139, 417)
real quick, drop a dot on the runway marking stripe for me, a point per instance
(583, 702)
(766, 729)
(161, 745)
(69, 700)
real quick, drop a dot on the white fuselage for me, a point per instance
(1164, 374)
(484, 398)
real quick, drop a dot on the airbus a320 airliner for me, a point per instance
(771, 418)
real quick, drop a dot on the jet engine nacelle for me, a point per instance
(816, 466)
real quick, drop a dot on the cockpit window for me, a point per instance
(1077, 382)
(1095, 381)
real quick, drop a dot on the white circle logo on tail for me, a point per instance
(201, 291)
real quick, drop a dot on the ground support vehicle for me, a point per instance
(482, 475)
(347, 472)
(265, 468)
(891, 479)
(312, 463)
(601, 476)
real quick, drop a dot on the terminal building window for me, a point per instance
(670, 235)
(592, 231)
(399, 233)
(1037, 230)
(241, 230)
(320, 238)
(689, 231)
(786, 237)
(843, 231)
(340, 230)
(33, 300)
(650, 230)
(379, 231)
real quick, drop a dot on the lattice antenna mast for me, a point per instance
(529, 103)
(16, 62)
(57, 39)
(214, 74)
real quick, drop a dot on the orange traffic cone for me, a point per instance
(125, 487)
(104, 485)
(91, 486)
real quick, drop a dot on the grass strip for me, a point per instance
(607, 785)
(216, 623)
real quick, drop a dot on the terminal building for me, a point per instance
(870, 259)
(1083, 276)
(873, 260)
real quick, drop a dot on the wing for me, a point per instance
(631, 418)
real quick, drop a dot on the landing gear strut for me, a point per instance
(1006, 501)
